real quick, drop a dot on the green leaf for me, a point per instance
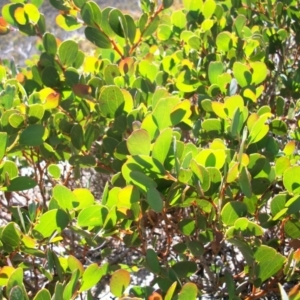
(154, 199)
(91, 277)
(32, 135)
(97, 37)
(188, 291)
(10, 235)
(151, 27)
(213, 127)
(16, 280)
(36, 112)
(111, 101)
(72, 285)
(117, 22)
(278, 203)
(164, 32)
(60, 5)
(242, 74)
(143, 164)
(239, 24)
(215, 69)
(21, 183)
(232, 211)
(208, 8)
(247, 227)
(139, 142)
(178, 19)
(93, 215)
(258, 131)
(230, 284)
(42, 294)
(119, 281)
(51, 221)
(67, 52)
(91, 13)
(84, 196)
(50, 76)
(202, 174)
(185, 269)
(148, 70)
(291, 179)
(3, 144)
(64, 197)
(171, 290)
(278, 127)
(49, 43)
(77, 136)
(211, 158)
(167, 3)
(131, 28)
(196, 248)
(162, 112)
(245, 183)
(75, 264)
(267, 267)
(17, 293)
(292, 229)
(224, 41)
(282, 164)
(162, 145)
(187, 226)
(68, 22)
(54, 171)
(152, 262)
(259, 72)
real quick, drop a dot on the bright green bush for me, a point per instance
(193, 111)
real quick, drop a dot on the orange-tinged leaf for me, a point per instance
(20, 16)
(75, 264)
(119, 281)
(4, 27)
(297, 255)
(52, 100)
(20, 77)
(155, 296)
(126, 65)
(82, 90)
(294, 293)
(3, 23)
(289, 148)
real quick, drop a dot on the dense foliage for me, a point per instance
(193, 112)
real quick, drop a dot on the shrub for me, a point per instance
(193, 112)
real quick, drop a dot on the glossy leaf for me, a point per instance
(93, 215)
(97, 37)
(232, 211)
(91, 276)
(119, 281)
(139, 142)
(111, 101)
(52, 221)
